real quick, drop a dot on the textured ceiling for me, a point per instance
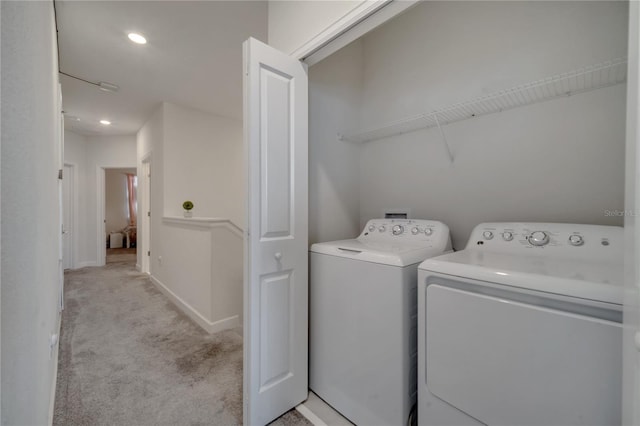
(193, 58)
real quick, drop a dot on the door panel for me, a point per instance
(276, 242)
(275, 336)
(275, 182)
(506, 363)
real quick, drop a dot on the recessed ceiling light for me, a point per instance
(105, 122)
(137, 38)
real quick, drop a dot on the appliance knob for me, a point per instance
(397, 230)
(576, 240)
(415, 231)
(428, 231)
(538, 238)
(487, 235)
(382, 228)
(372, 228)
(507, 236)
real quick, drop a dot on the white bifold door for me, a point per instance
(276, 241)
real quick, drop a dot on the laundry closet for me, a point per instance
(534, 156)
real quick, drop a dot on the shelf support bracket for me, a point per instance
(444, 138)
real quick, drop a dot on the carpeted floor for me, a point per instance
(121, 255)
(129, 357)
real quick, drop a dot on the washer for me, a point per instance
(523, 327)
(363, 318)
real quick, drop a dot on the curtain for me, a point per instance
(132, 186)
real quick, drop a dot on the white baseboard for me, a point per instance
(208, 326)
(138, 267)
(310, 415)
(86, 264)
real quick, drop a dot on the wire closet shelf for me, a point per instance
(582, 80)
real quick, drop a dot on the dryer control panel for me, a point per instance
(404, 230)
(558, 239)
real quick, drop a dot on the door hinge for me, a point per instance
(149, 253)
(149, 214)
(60, 174)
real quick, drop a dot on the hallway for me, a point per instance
(128, 356)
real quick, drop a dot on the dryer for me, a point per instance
(523, 327)
(363, 318)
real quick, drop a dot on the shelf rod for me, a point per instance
(444, 138)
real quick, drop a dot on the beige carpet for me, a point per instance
(121, 255)
(129, 357)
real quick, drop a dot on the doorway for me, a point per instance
(118, 236)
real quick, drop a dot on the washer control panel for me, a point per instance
(405, 230)
(511, 237)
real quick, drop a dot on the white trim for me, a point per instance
(101, 253)
(144, 206)
(360, 20)
(351, 18)
(309, 415)
(208, 326)
(204, 222)
(138, 267)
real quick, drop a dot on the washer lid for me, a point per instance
(594, 280)
(387, 253)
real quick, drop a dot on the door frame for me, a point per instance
(144, 206)
(362, 19)
(631, 314)
(100, 211)
(74, 213)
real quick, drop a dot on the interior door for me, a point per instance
(631, 336)
(276, 241)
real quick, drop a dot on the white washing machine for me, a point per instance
(523, 327)
(363, 318)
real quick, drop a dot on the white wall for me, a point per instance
(203, 163)
(116, 199)
(89, 153)
(198, 156)
(30, 211)
(108, 152)
(335, 91)
(75, 153)
(293, 23)
(561, 161)
(149, 146)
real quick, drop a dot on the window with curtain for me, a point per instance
(132, 194)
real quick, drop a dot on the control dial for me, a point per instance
(487, 235)
(428, 231)
(372, 228)
(382, 228)
(507, 236)
(415, 231)
(576, 240)
(397, 229)
(538, 238)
